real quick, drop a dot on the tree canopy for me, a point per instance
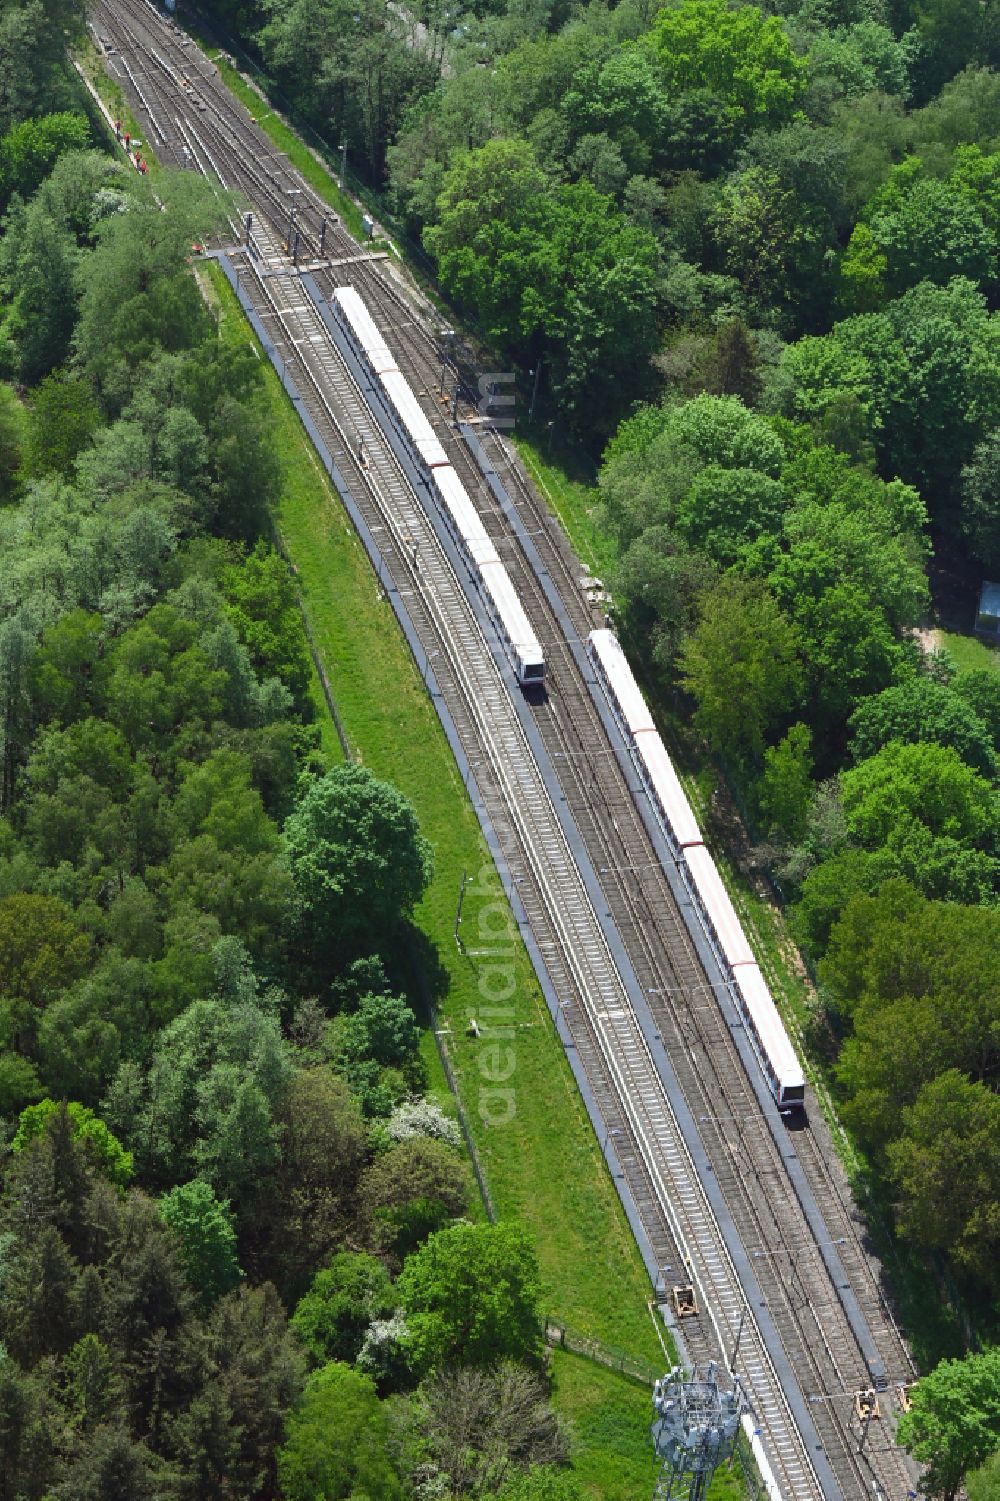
(211, 1063)
(556, 273)
(337, 1444)
(358, 859)
(954, 1419)
(472, 1292)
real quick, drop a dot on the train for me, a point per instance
(460, 515)
(764, 1027)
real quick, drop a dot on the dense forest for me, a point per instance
(236, 1252)
(755, 251)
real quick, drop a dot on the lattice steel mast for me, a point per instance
(696, 1428)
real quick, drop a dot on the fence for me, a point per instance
(463, 1120)
(558, 1336)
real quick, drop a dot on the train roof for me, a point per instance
(367, 331)
(414, 419)
(633, 706)
(381, 359)
(770, 1028)
(482, 551)
(716, 902)
(497, 582)
(459, 503)
(667, 786)
(433, 452)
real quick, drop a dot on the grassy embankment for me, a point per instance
(544, 1167)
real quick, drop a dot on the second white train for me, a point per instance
(765, 1028)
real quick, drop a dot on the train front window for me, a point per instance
(533, 671)
(794, 1094)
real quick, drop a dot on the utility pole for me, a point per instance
(343, 166)
(739, 1336)
(293, 195)
(447, 343)
(534, 392)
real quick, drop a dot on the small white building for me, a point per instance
(988, 614)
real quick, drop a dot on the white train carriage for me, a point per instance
(611, 666)
(412, 421)
(364, 334)
(428, 452)
(632, 712)
(765, 1028)
(464, 520)
(466, 525)
(664, 785)
(718, 908)
(769, 1039)
(368, 343)
(511, 622)
(480, 552)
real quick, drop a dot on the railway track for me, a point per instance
(599, 1011)
(690, 1012)
(608, 1037)
(580, 745)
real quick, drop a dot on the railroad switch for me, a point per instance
(684, 1300)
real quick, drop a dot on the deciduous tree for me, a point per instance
(741, 665)
(786, 786)
(29, 151)
(337, 1444)
(739, 60)
(954, 1420)
(358, 859)
(333, 1316)
(945, 1166)
(414, 1188)
(917, 228)
(206, 1237)
(472, 1294)
(920, 709)
(489, 1427)
(101, 1144)
(980, 500)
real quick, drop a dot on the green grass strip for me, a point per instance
(574, 499)
(544, 1165)
(968, 653)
